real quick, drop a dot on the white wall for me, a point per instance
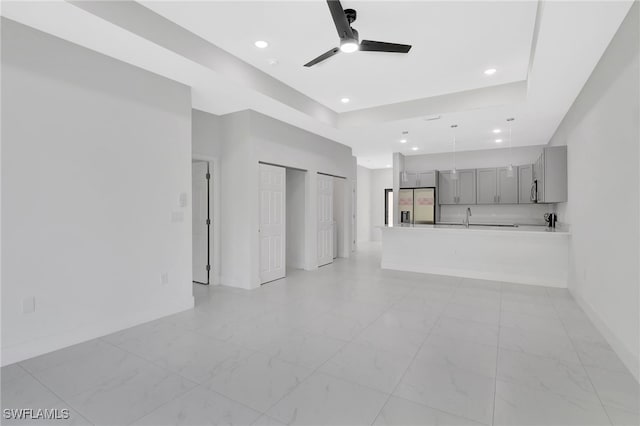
(364, 204)
(295, 218)
(95, 156)
(245, 139)
(601, 131)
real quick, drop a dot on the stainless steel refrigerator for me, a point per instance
(417, 205)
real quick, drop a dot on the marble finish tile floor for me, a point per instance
(348, 344)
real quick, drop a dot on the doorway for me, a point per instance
(201, 221)
(296, 218)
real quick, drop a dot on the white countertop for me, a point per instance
(520, 229)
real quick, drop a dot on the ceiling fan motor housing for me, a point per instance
(351, 15)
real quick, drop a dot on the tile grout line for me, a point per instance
(595, 390)
(495, 378)
(415, 356)
(56, 395)
(327, 360)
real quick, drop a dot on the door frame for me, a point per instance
(214, 215)
(209, 221)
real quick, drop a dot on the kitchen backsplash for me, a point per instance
(521, 214)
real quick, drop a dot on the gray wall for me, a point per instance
(95, 156)
(601, 131)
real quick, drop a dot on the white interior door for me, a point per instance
(200, 222)
(325, 219)
(272, 223)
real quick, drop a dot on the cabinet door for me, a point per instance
(525, 179)
(467, 187)
(487, 186)
(408, 179)
(538, 175)
(446, 188)
(426, 179)
(507, 186)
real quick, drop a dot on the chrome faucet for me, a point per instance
(466, 220)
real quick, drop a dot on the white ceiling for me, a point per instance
(453, 43)
(443, 74)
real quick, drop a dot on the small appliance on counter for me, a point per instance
(551, 219)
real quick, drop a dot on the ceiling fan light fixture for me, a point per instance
(349, 46)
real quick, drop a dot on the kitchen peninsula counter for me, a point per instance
(535, 255)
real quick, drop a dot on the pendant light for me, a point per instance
(510, 167)
(454, 172)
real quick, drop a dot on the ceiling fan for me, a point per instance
(349, 41)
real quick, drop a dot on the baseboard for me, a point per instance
(36, 347)
(630, 360)
(492, 276)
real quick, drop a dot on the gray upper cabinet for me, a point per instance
(507, 186)
(525, 179)
(446, 188)
(550, 175)
(458, 191)
(495, 186)
(408, 180)
(418, 179)
(426, 179)
(467, 186)
(487, 186)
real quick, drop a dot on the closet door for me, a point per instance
(272, 223)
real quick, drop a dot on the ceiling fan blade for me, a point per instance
(322, 57)
(381, 46)
(340, 20)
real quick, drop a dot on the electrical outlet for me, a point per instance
(164, 278)
(29, 305)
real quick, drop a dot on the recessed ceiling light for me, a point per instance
(415, 148)
(490, 71)
(403, 141)
(388, 165)
(496, 130)
(345, 100)
(261, 44)
(498, 140)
